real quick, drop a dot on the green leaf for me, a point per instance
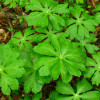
(89, 72)
(12, 5)
(93, 72)
(37, 96)
(10, 98)
(34, 5)
(86, 43)
(82, 91)
(46, 34)
(91, 48)
(76, 10)
(83, 86)
(59, 59)
(8, 83)
(18, 34)
(57, 21)
(96, 17)
(81, 25)
(80, 1)
(95, 78)
(46, 49)
(46, 12)
(92, 95)
(6, 1)
(61, 8)
(26, 58)
(55, 74)
(44, 71)
(15, 3)
(34, 82)
(11, 68)
(70, 21)
(28, 32)
(27, 97)
(37, 19)
(23, 41)
(97, 8)
(64, 88)
(54, 95)
(82, 31)
(15, 69)
(72, 31)
(90, 25)
(49, 3)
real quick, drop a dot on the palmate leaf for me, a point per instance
(66, 92)
(23, 42)
(45, 33)
(46, 12)
(80, 25)
(34, 82)
(91, 48)
(94, 71)
(11, 68)
(58, 58)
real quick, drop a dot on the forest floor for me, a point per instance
(9, 23)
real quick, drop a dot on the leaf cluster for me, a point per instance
(57, 48)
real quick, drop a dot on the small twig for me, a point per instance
(6, 35)
(12, 33)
